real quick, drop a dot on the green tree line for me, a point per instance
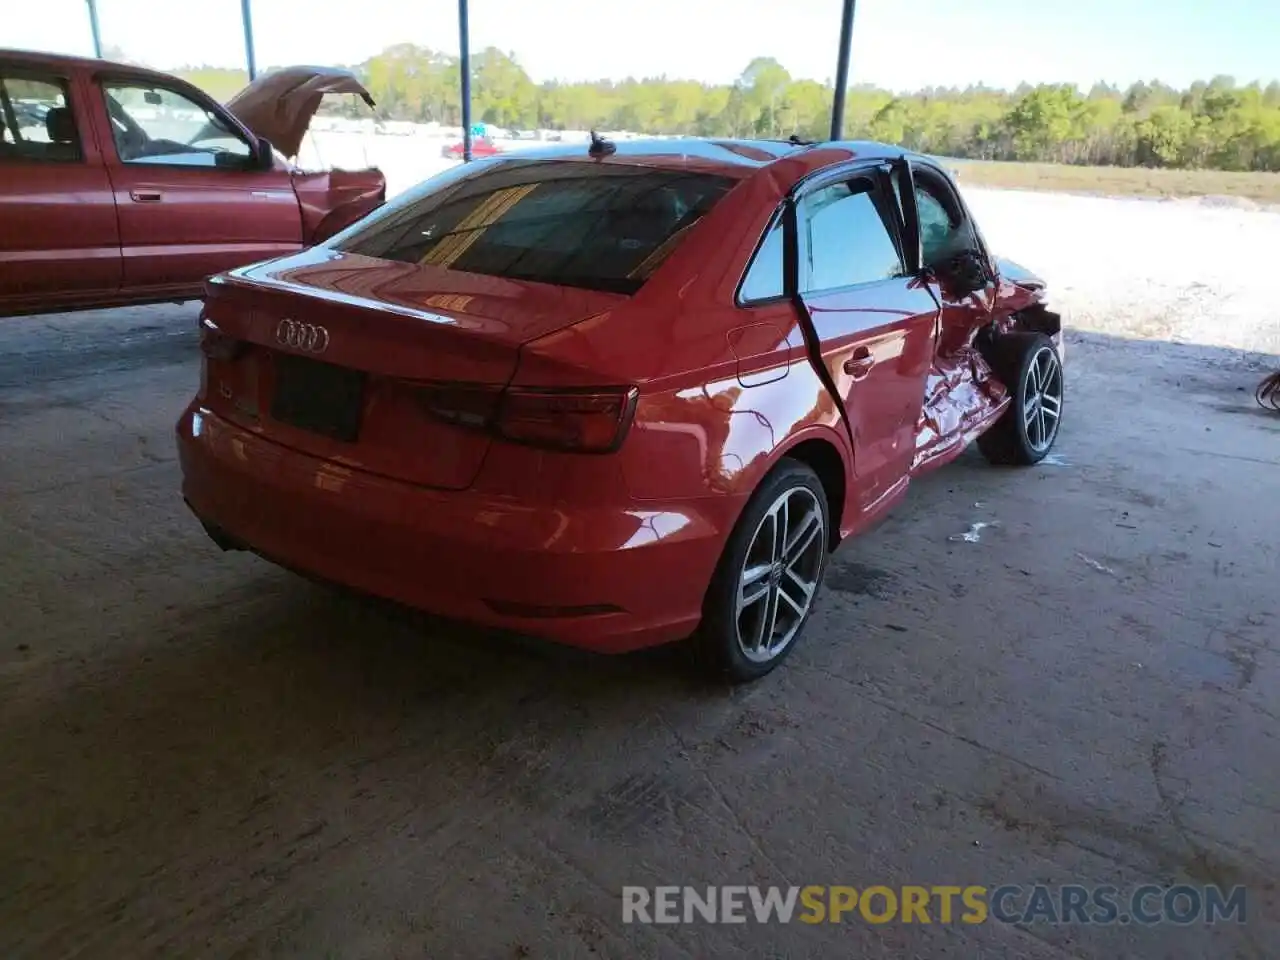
(1214, 124)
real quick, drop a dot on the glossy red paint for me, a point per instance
(85, 228)
(609, 551)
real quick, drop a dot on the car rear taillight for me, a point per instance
(216, 345)
(579, 421)
(587, 421)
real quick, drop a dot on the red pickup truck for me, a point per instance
(123, 185)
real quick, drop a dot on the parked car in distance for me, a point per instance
(480, 147)
(619, 395)
(123, 185)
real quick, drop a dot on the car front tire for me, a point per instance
(765, 585)
(1030, 367)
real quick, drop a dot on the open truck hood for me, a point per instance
(279, 105)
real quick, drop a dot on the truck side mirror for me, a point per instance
(263, 154)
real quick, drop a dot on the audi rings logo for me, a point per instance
(307, 337)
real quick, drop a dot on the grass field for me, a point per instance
(1120, 181)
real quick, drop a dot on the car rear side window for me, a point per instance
(765, 279)
(847, 241)
(603, 226)
(36, 122)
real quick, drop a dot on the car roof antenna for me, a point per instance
(600, 147)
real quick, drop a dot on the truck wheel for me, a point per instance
(1029, 366)
(764, 586)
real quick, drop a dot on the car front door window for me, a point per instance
(938, 234)
(944, 234)
(152, 125)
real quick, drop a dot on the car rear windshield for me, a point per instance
(603, 226)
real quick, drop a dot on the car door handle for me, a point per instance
(146, 196)
(860, 364)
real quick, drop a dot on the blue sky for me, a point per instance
(900, 44)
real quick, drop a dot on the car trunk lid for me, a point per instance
(337, 355)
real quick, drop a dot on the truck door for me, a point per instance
(59, 240)
(191, 199)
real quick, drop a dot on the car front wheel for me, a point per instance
(768, 577)
(1031, 369)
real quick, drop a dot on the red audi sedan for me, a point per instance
(617, 396)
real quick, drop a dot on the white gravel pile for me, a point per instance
(1190, 271)
(1187, 271)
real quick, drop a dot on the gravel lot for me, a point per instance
(1187, 271)
(206, 756)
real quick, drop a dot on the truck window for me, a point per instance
(152, 125)
(36, 122)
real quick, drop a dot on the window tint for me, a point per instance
(764, 279)
(848, 242)
(36, 122)
(600, 226)
(153, 125)
(936, 227)
(942, 234)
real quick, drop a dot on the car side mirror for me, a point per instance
(965, 273)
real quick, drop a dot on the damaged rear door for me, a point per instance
(871, 323)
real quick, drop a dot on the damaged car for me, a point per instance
(123, 185)
(617, 395)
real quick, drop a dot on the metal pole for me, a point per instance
(246, 16)
(93, 26)
(842, 70)
(464, 65)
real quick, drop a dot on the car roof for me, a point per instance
(61, 62)
(736, 158)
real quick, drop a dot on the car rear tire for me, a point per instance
(1029, 366)
(768, 577)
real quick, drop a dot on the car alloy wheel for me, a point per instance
(780, 574)
(1042, 399)
(1027, 362)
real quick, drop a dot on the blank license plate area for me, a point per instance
(318, 397)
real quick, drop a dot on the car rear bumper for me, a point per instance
(608, 579)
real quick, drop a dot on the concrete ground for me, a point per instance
(201, 755)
